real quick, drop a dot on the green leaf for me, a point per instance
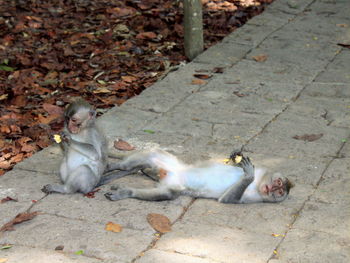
(343, 140)
(6, 68)
(79, 252)
(5, 247)
(149, 131)
(101, 82)
(6, 61)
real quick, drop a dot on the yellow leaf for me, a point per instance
(260, 58)
(102, 90)
(198, 82)
(4, 97)
(3, 260)
(57, 138)
(238, 158)
(113, 227)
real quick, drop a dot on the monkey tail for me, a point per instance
(167, 162)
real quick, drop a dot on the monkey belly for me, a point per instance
(212, 181)
(74, 160)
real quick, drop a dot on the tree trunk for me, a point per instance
(193, 25)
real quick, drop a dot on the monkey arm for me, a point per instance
(234, 194)
(86, 149)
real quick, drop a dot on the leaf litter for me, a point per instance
(106, 51)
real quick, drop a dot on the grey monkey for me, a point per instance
(84, 152)
(226, 183)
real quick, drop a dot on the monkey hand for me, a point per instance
(247, 167)
(65, 137)
(47, 189)
(120, 193)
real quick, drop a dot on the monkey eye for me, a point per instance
(73, 119)
(279, 182)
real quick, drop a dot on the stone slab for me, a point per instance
(48, 232)
(39, 255)
(217, 243)
(313, 246)
(158, 256)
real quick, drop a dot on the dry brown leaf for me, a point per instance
(8, 198)
(101, 90)
(159, 222)
(260, 58)
(123, 145)
(28, 148)
(21, 217)
(308, 137)
(17, 158)
(202, 76)
(53, 109)
(59, 248)
(5, 164)
(146, 35)
(128, 79)
(198, 82)
(113, 227)
(5, 129)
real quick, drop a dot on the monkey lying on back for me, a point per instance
(84, 152)
(226, 183)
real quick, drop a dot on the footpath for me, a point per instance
(280, 86)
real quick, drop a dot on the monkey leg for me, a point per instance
(82, 180)
(153, 194)
(115, 175)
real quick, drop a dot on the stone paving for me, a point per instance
(303, 87)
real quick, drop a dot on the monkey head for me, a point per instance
(78, 115)
(274, 188)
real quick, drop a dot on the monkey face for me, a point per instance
(78, 121)
(273, 188)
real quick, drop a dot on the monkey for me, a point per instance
(225, 183)
(85, 157)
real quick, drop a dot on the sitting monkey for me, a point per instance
(226, 183)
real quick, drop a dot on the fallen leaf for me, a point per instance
(218, 70)
(146, 35)
(101, 90)
(8, 198)
(113, 227)
(342, 25)
(159, 222)
(3, 260)
(79, 252)
(4, 96)
(128, 79)
(260, 58)
(60, 247)
(149, 131)
(5, 247)
(239, 94)
(123, 145)
(344, 45)
(53, 109)
(308, 137)
(21, 217)
(5, 164)
(198, 82)
(202, 76)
